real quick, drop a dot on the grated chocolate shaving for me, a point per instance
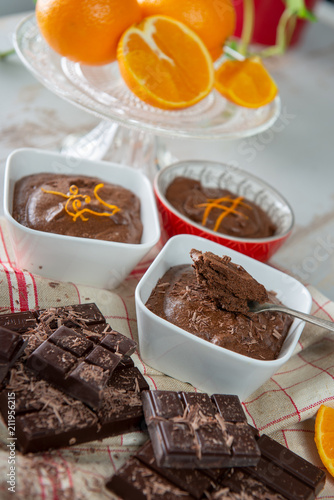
(276, 334)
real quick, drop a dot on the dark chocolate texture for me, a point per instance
(287, 477)
(35, 208)
(48, 418)
(242, 219)
(77, 365)
(80, 315)
(12, 346)
(290, 464)
(19, 322)
(136, 481)
(191, 430)
(194, 306)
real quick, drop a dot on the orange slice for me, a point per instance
(164, 63)
(324, 436)
(246, 83)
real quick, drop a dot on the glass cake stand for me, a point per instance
(127, 122)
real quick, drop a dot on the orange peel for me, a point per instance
(324, 436)
(246, 83)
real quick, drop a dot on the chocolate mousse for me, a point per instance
(227, 283)
(214, 307)
(77, 205)
(219, 209)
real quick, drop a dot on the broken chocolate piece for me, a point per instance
(117, 342)
(75, 364)
(19, 322)
(12, 346)
(191, 430)
(136, 481)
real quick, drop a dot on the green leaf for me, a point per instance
(234, 45)
(9, 52)
(307, 14)
(299, 8)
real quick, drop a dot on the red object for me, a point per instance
(267, 15)
(173, 224)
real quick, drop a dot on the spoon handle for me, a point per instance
(329, 325)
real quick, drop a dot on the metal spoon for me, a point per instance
(255, 307)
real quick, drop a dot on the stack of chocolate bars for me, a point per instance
(75, 381)
(201, 447)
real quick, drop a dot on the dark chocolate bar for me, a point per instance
(195, 481)
(286, 472)
(78, 366)
(19, 322)
(45, 416)
(190, 430)
(142, 478)
(12, 346)
(136, 481)
(75, 315)
(119, 343)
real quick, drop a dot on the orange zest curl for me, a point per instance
(226, 210)
(76, 199)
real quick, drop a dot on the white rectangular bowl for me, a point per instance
(103, 264)
(188, 358)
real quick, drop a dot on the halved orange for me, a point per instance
(324, 436)
(213, 20)
(246, 83)
(164, 63)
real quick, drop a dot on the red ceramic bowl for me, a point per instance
(212, 174)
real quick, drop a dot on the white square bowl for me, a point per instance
(103, 264)
(188, 358)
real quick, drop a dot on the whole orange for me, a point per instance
(212, 20)
(86, 31)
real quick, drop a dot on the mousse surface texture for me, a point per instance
(79, 206)
(219, 209)
(209, 300)
(228, 284)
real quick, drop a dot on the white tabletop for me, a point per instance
(295, 155)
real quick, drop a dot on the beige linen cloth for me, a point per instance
(284, 407)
